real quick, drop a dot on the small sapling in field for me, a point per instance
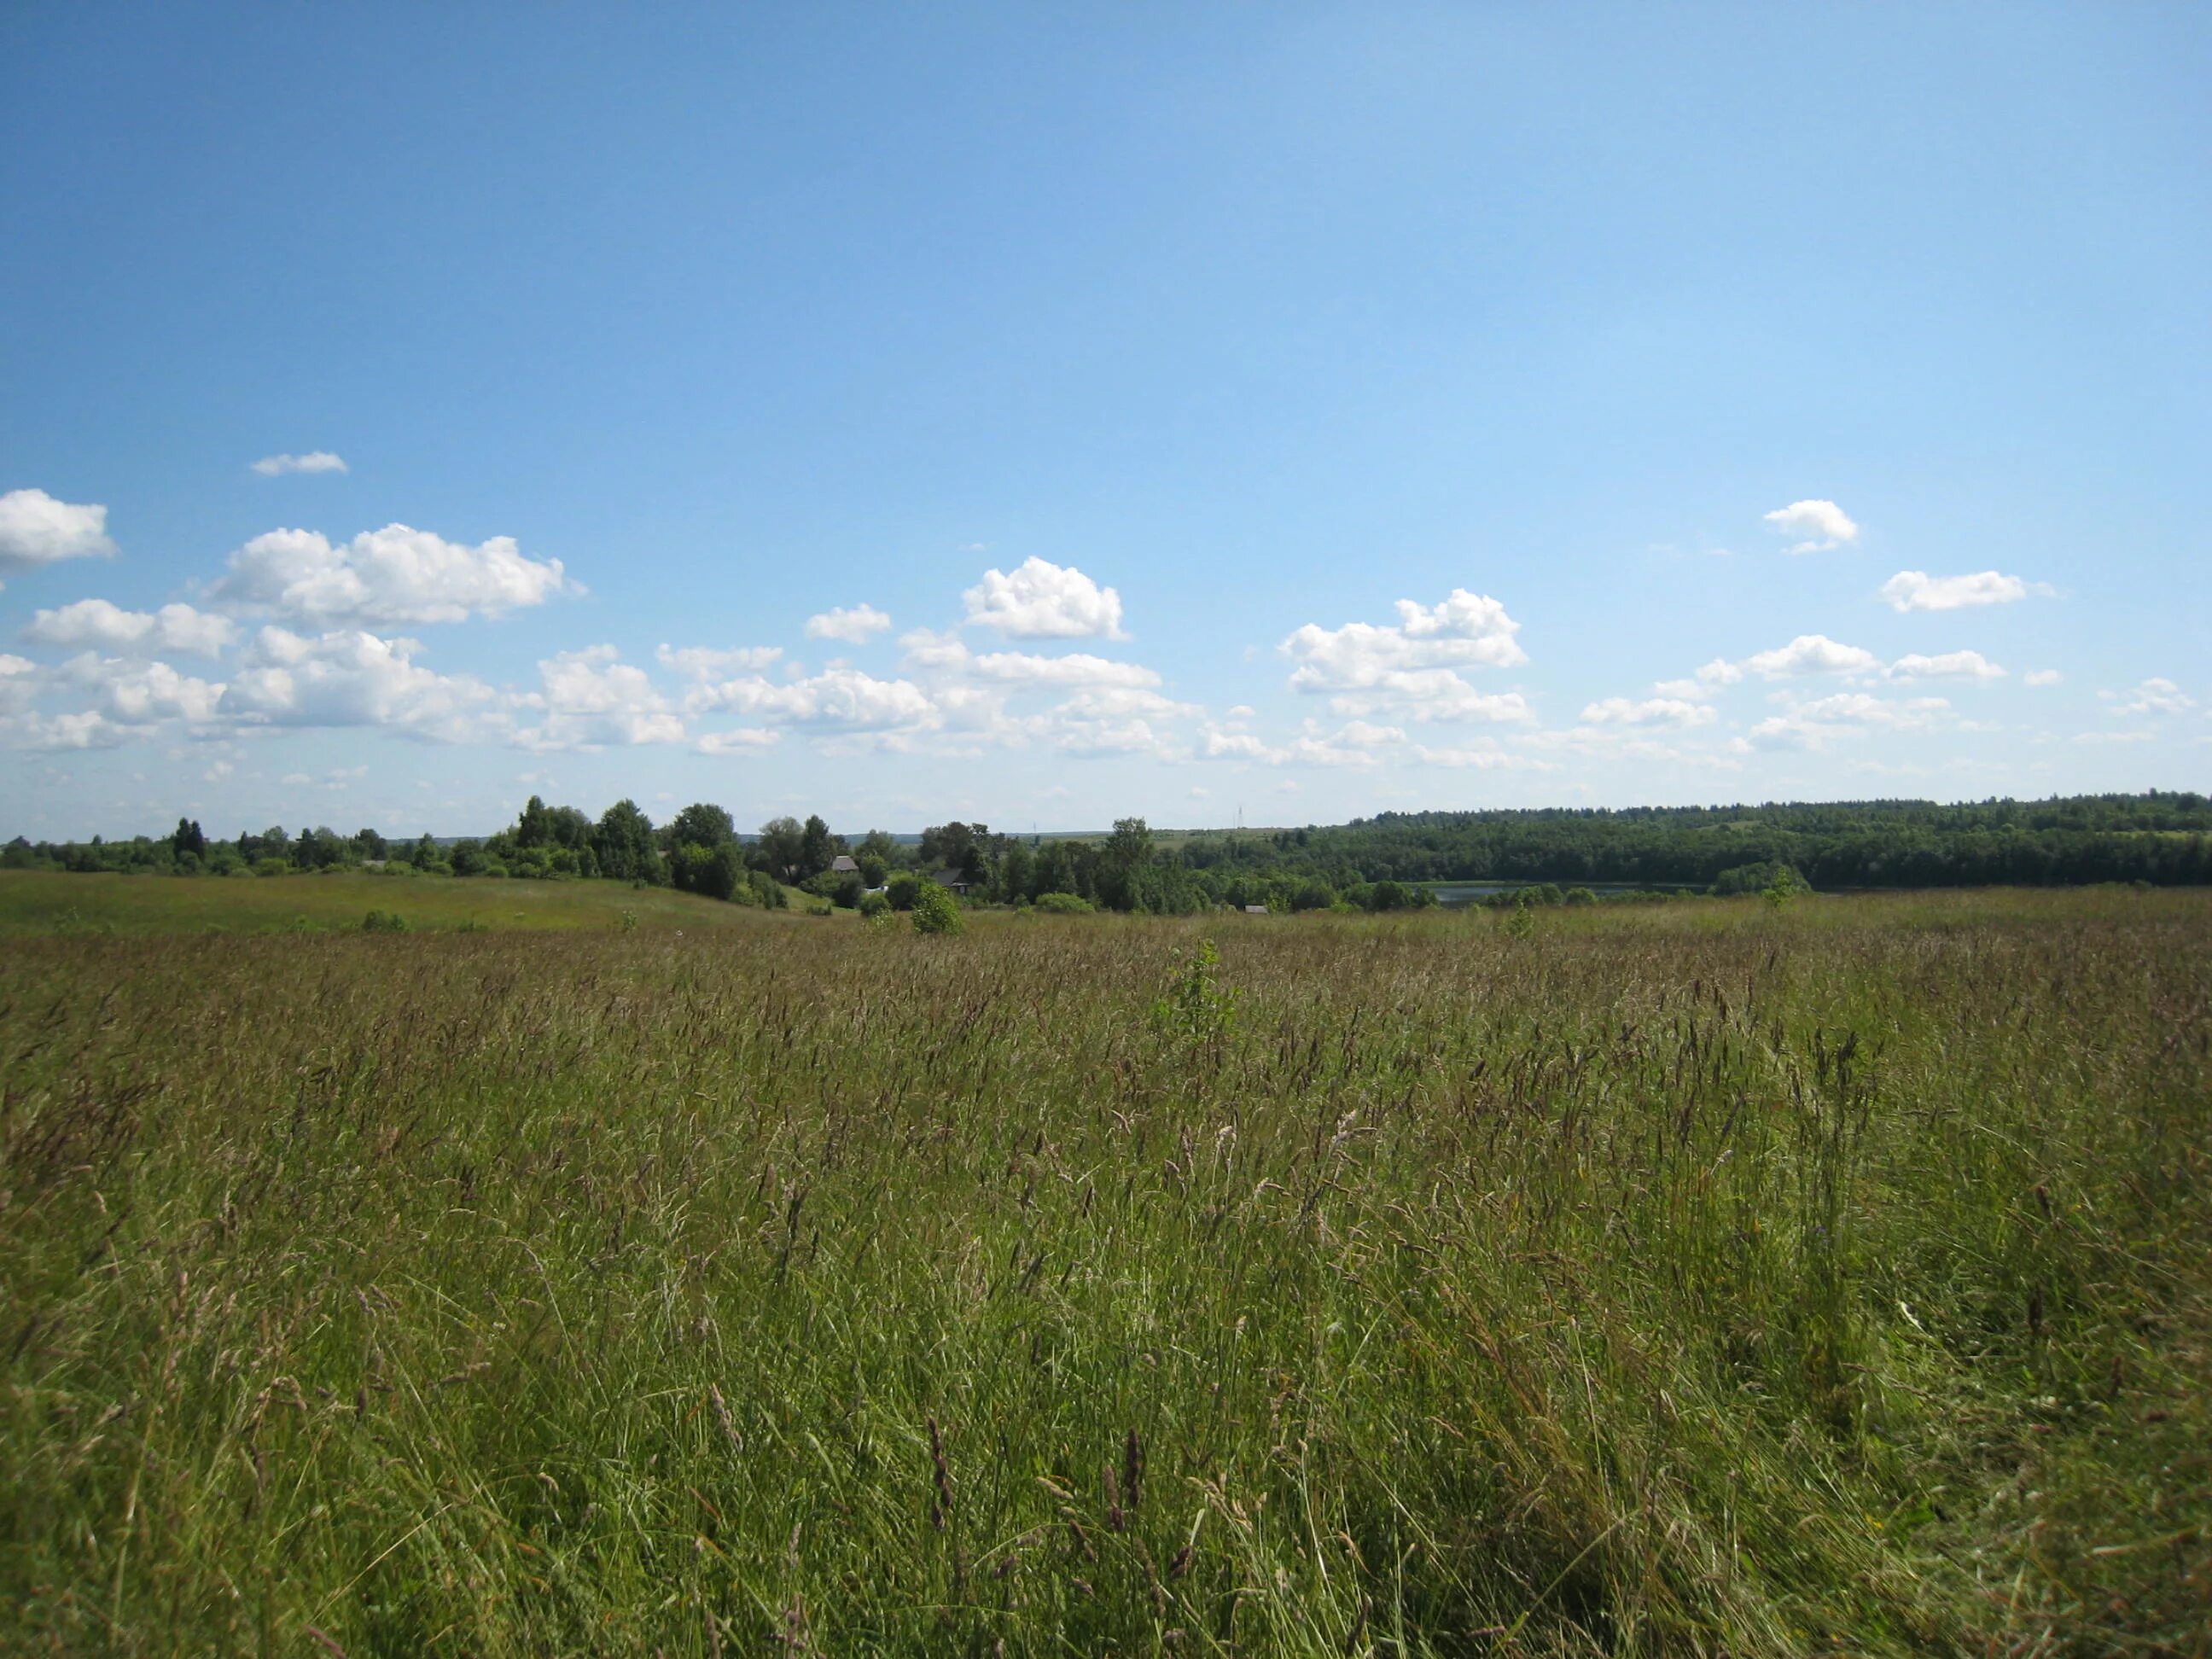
(1196, 1007)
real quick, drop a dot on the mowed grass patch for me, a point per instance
(33, 902)
(1704, 1280)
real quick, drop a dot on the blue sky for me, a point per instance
(1045, 414)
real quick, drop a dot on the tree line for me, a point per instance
(1390, 861)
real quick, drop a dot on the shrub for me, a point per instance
(1196, 1007)
(873, 905)
(383, 921)
(935, 910)
(1064, 904)
(1758, 877)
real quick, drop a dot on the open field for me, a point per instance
(54, 901)
(1700, 1278)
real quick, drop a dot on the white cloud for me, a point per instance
(1848, 714)
(1915, 590)
(1410, 670)
(1085, 739)
(1465, 630)
(2042, 676)
(395, 575)
(856, 626)
(19, 683)
(1719, 672)
(138, 694)
(705, 663)
(109, 627)
(739, 740)
(1704, 683)
(1353, 746)
(316, 460)
(1651, 711)
(36, 529)
(843, 699)
(349, 678)
(89, 729)
(1120, 702)
(2155, 695)
(1951, 665)
(948, 654)
(1824, 526)
(1360, 732)
(1041, 600)
(1484, 758)
(1858, 707)
(1811, 653)
(594, 700)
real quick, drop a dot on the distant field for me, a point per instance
(47, 902)
(1699, 1279)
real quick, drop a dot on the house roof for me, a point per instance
(843, 865)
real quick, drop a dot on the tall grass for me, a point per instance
(47, 902)
(1704, 1282)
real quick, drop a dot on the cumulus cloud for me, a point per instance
(707, 663)
(1483, 757)
(1410, 669)
(1823, 525)
(1811, 653)
(2155, 695)
(855, 627)
(1353, 746)
(1915, 590)
(594, 700)
(1951, 665)
(1094, 739)
(86, 729)
(739, 740)
(1465, 630)
(2042, 676)
(1041, 600)
(108, 627)
(315, 460)
(395, 575)
(843, 699)
(1651, 711)
(140, 694)
(19, 683)
(1704, 683)
(1848, 713)
(36, 530)
(948, 654)
(1122, 701)
(349, 677)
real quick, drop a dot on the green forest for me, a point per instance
(1392, 861)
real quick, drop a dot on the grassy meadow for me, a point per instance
(1706, 1278)
(41, 902)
